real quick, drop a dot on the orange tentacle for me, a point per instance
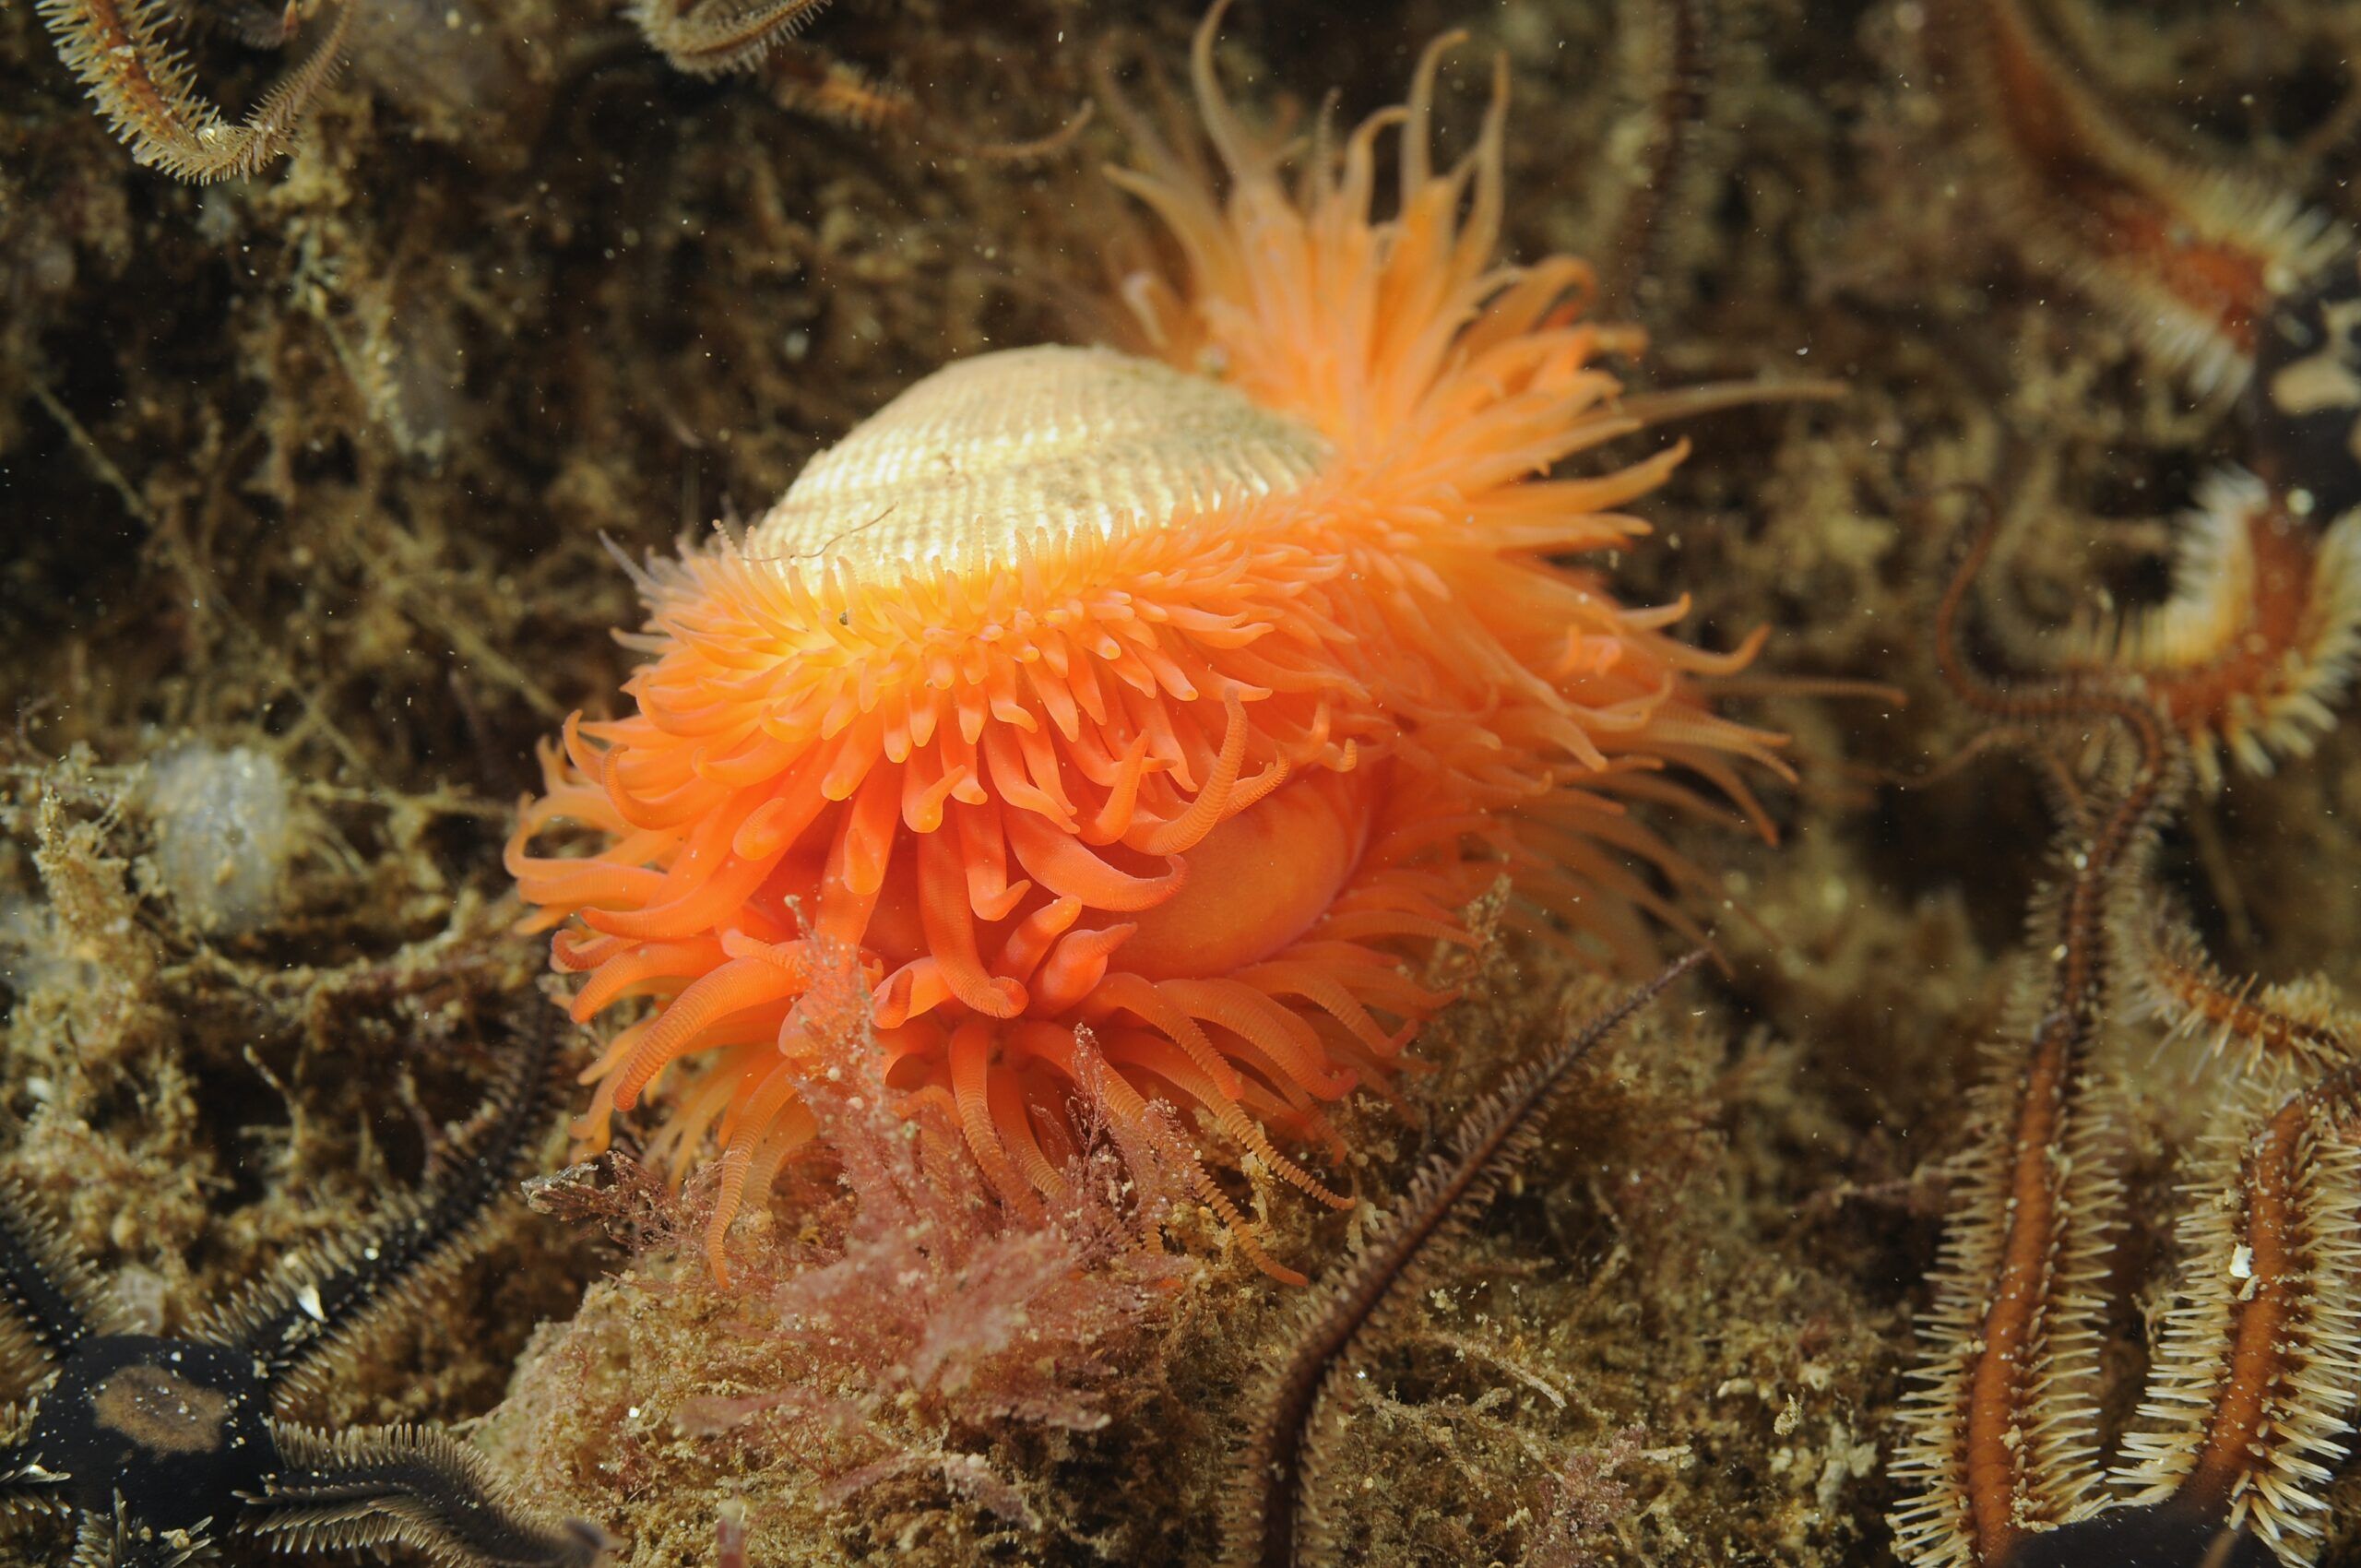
(971, 1049)
(1065, 866)
(739, 984)
(951, 933)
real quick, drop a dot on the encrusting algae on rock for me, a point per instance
(1150, 709)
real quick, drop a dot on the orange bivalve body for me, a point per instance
(1148, 712)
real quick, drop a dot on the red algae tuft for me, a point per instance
(1146, 711)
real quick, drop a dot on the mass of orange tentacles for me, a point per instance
(1179, 802)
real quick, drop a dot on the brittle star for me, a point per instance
(163, 1447)
(2256, 1381)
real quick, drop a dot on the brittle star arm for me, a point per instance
(2000, 1439)
(417, 1486)
(26, 1486)
(100, 1541)
(294, 1323)
(2258, 1373)
(1271, 1519)
(54, 1303)
(2228, 284)
(124, 54)
(51, 1296)
(708, 40)
(113, 1540)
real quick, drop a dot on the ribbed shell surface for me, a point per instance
(1072, 443)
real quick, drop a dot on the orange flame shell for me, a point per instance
(1132, 722)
